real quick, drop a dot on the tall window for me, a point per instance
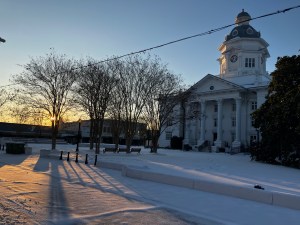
(233, 107)
(254, 105)
(252, 122)
(168, 135)
(215, 108)
(249, 62)
(215, 122)
(233, 122)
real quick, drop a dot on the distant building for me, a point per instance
(217, 114)
(69, 131)
(24, 130)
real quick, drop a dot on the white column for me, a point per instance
(218, 142)
(238, 102)
(237, 141)
(202, 122)
(197, 123)
(186, 125)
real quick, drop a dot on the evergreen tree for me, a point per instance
(279, 117)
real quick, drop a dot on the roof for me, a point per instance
(14, 128)
(243, 31)
(250, 81)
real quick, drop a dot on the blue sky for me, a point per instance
(103, 28)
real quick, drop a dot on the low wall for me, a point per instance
(247, 193)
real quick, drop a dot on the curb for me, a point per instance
(247, 193)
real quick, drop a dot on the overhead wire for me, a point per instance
(181, 39)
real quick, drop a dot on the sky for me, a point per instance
(105, 28)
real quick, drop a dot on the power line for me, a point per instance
(183, 39)
(193, 36)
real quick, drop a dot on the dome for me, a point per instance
(243, 13)
(242, 28)
(242, 18)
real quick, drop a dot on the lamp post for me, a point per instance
(78, 135)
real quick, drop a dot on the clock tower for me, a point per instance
(244, 52)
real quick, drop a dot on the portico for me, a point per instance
(214, 120)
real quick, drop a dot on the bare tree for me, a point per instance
(44, 87)
(93, 95)
(116, 114)
(5, 97)
(139, 79)
(159, 111)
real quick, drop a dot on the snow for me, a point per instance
(36, 190)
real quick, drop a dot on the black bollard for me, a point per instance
(68, 158)
(76, 160)
(86, 158)
(95, 160)
(61, 153)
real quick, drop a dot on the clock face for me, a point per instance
(233, 58)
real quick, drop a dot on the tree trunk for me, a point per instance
(53, 135)
(92, 135)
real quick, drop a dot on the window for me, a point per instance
(215, 108)
(169, 122)
(233, 122)
(233, 107)
(254, 105)
(253, 139)
(232, 137)
(250, 62)
(168, 135)
(215, 122)
(252, 122)
(106, 130)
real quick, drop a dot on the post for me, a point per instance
(76, 160)
(68, 158)
(86, 159)
(61, 153)
(95, 160)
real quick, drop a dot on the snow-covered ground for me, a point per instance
(35, 190)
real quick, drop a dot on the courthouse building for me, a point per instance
(217, 113)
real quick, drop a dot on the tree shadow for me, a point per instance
(58, 204)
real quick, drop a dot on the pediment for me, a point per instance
(214, 84)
